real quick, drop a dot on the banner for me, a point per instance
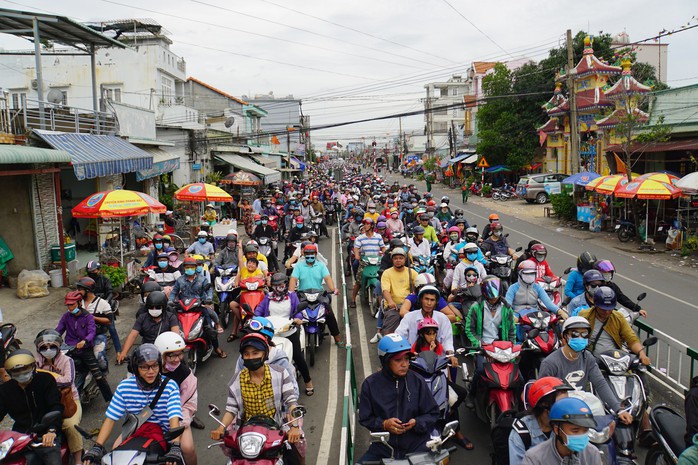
(620, 165)
(542, 136)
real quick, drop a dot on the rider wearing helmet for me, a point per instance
(454, 239)
(459, 214)
(538, 254)
(229, 255)
(573, 363)
(428, 297)
(396, 400)
(135, 393)
(103, 287)
(395, 225)
(201, 246)
(526, 292)
(593, 279)
(575, 280)
(468, 253)
(535, 428)
(608, 270)
(172, 346)
(444, 213)
(570, 419)
(487, 230)
(497, 242)
(104, 320)
(368, 243)
(27, 397)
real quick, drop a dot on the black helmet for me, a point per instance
(459, 211)
(156, 299)
(231, 238)
(396, 243)
(150, 286)
(143, 354)
(86, 283)
(445, 199)
(585, 261)
(278, 278)
(48, 337)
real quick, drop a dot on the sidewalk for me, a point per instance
(670, 260)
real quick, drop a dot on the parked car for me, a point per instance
(538, 187)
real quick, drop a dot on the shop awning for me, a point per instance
(269, 162)
(497, 169)
(299, 164)
(247, 164)
(20, 154)
(163, 162)
(95, 156)
(458, 158)
(444, 163)
(471, 159)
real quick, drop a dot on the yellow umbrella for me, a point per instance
(117, 203)
(661, 177)
(648, 189)
(202, 192)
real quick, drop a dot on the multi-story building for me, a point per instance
(444, 113)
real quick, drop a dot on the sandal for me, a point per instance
(309, 391)
(352, 304)
(232, 337)
(221, 354)
(465, 443)
(340, 344)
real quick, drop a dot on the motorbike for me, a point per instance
(498, 386)
(316, 225)
(629, 315)
(625, 230)
(431, 368)
(543, 344)
(621, 372)
(197, 334)
(369, 281)
(284, 327)
(14, 446)
(350, 255)
(552, 287)
(313, 309)
(260, 440)
(602, 435)
(437, 455)
(268, 248)
(330, 212)
(138, 450)
(85, 383)
(499, 265)
(668, 428)
(9, 342)
(224, 283)
(252, 293)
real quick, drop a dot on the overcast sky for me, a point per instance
(359, 59)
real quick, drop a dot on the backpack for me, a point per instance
(506, 422)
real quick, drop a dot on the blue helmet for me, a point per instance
(260, 325)
(605, 298)
(572, 410)
(392, 344)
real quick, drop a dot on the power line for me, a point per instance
(478, 29)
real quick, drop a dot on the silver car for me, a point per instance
(538, 187)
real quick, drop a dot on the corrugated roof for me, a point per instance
(218, 91)
(481, 67)
(246, 164)
(20, 154)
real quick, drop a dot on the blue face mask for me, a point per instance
(350, 206)
(578, 344)
(202, 240)
(162, 264)
(158, 245)
(199, 269)
(471, 256)
(264, 221)
(310, 259)
(189, 271)
(76, 311)
(577, 443)
(299, 225)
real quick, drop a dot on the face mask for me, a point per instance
(607, 276)
(577, 443)
(155, 313)
(158, 245)
(430, 214)
(528, 278)
(394, 216)
(578, 344)
(264, 221)
(372, 210)
(24, 377)
(253, 364)
(350, 206)
(202, 240)
(162, 264)
(76, 311)
(170, 366)
(471, 256)
(49, 353)
(199, 269)
(591, 288)
(299, 225)
(453, 237)
(257, 222)
(189, 271)
(279, 290)
(471, 278)
(310, 259)
(497, 233)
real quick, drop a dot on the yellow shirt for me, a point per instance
(373, 216)
(398, 283)
(245, 273)
(257, 399)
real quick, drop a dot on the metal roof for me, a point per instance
(246, 164)
(60, 29)
(20, 154)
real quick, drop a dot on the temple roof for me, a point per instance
(589, 64)
(550, 126)
(627, 85)
(618, 116)
(556, 100)
(592, 99)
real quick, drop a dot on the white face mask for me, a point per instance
(528, 278)
(155, 313)
(497, 233)
(49, 353)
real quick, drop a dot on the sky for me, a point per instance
(351, 60)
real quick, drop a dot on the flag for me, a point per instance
(275, 140)
(449, 171)
(620, 165)
(542, 136)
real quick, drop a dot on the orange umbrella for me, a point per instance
(202, 192)
(648, 189)
(117, 203)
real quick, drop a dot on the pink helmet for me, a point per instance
(454, 229)
(427, 323)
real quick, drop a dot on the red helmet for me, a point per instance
(310, 248)
(191, 261)
(299, 220)
(543, 387)
(431, 203)
(73, 297)
(495, 226)
(257, 217)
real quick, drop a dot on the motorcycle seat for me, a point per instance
(671, 426)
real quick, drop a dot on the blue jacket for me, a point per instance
(183, 288)
(383, 396)
(538, 289)
(575, 284)
(578, 304)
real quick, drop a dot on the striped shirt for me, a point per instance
(130, 398)
(369, 245)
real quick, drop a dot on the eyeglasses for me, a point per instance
(154, 308)
(154, 367)
(582, 334)
(46, 347)
(173, 355)
(471, 276)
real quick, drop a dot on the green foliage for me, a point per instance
(116, 274)
(486, 190)
(214, 177)
(690, 245)
(166, 191)
(430, 164)
(563, 206)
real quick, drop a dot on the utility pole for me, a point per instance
(574, 124)
(401, 155)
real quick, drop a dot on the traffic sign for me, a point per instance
(483, 163)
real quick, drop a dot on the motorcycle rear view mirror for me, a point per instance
(82, 432)
(302, 305)
(173, 433)
(381, 436)
(299, 411)
(214, 409)
(567, 270)
(650, 341)
(47, 420)
(641, 296)
(518, 249)
(450, 428)
(488, 254)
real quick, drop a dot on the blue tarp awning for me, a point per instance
(496, 169)
(301, 165)
(163, 162)
(580, 179)
(459, 157)
(444, 163)
(96, 156)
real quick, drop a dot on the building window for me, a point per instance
(19, 100)
(454, 92)
(167, 86)
(113, 94)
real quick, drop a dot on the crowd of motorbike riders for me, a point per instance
(542, 351)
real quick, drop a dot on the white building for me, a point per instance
(444, 112)
(653, 53)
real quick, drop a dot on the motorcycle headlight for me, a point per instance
(501, 355)
(252, 286)
(311, 297)
(250, 444)
(196, 329)
(616, 366)
(600, 437)
(5, 447)
(373, 260)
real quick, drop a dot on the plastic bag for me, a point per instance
(32, 284)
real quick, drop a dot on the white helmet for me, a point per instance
(169, 341)
(423, 279)
(202, 234)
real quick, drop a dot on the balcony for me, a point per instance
(60, 118)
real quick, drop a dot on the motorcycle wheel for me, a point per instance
(371, 299)
(496, 196)
(624, 234)
(655, 456)
(493, 413)
(312, 347)
(224, 316)
(192, 359)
